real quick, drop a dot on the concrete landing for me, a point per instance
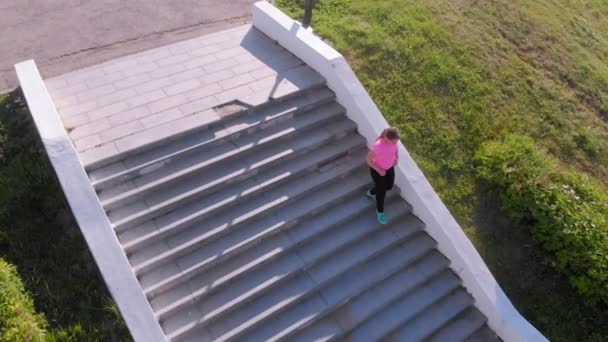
(131, 101)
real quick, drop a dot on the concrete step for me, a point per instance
(192, 222)
(393, 316)
(344, 289)
(207, 126)
(461, 327)
(434, 318)
(266, 265)
(209, 180)
(276, 304)
(344, 149)
(197, 254)
(330, 214)
(228, 129)
(371, 302)
(251, 212)
(213, 180)
(335, 165)
(191, 167)
(484, 334)
(347, 249)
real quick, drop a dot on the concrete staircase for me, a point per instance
(256, 228)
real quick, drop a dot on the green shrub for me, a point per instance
(568, 211)
(18, 321)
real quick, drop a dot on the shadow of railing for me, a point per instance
(287, 68)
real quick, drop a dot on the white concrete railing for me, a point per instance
(88, 212)
(490, 299)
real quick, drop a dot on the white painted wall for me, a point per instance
(503, 318)
(88, 212)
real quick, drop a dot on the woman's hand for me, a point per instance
(370, 162)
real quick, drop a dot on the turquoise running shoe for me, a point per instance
(381, 218)
(369, 195)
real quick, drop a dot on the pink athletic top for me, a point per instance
(385, 154)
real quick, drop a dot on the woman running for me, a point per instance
(382, 159)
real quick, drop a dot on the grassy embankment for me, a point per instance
(456, 75)
(39, 236)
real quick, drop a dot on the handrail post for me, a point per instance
(308, 13)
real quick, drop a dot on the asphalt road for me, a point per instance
(64, 35)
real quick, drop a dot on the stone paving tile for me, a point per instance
(180, 48)
(94, 93)
(115, 97)
(248, 57)
(75, 121)
(236, 81)
(173, 60)
(182, 87)
(255, 99)
(228, 53)
(205, 50)
(199, 105)
(66, 101)
(217, 76)
(154, 85)
(79, 108)
(90, 128)
(162, 117)
(120, 131)
(167, 70)
(55, 84)
(223, 64)
(187, 75)
(132, 81)
(195, 62)
(134, 100)
(69, 90)
(247, 66)
(107, 79)
(141, 69)
(263, 73)
(204, 91)
(87, 142)
(234, 93)
(146, 98)
(166, 103)
(84, 76)
(269, 82)
(106, 111)
(130, 115)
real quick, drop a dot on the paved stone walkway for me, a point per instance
(66, 35)
(128, 102)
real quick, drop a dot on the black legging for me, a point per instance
(382, 184)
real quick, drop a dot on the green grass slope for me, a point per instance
(456, 74)
(39, 236)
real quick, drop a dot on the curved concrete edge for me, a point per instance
(502, 316)
(87, 210)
